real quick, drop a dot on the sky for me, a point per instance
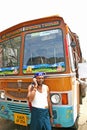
(13, 12)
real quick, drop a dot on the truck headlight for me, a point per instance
(55, 98)
(2, 95)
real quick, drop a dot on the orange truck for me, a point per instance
(46, 44)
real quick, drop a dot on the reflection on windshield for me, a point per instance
(43, 51)
(9, 56)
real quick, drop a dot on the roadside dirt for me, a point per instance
(83, 114)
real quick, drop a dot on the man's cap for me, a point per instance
(39, 74)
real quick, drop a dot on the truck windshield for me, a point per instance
(9, 56)
(44, 51)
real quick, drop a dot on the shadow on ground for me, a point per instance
(9, 125)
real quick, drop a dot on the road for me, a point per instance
(8, 125)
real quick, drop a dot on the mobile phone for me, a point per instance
(34, 82)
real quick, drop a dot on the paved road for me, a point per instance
(8, 125)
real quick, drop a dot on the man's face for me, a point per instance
(40, 80)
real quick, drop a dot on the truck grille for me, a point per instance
(14, 91)
(19, 109)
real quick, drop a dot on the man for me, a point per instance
(39, 97)
(83, 85)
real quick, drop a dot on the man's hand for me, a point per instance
(35, 82)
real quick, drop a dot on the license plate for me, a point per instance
(20, 119)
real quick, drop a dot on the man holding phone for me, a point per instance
(39, 97)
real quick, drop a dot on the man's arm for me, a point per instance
(49, 104)
(82, 82)
(31, 93)
(32, 90)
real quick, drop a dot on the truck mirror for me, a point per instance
(73, 44)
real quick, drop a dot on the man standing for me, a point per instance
(39, 97)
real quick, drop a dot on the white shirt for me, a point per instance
(40, 99)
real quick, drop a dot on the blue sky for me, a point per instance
(13, 12)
